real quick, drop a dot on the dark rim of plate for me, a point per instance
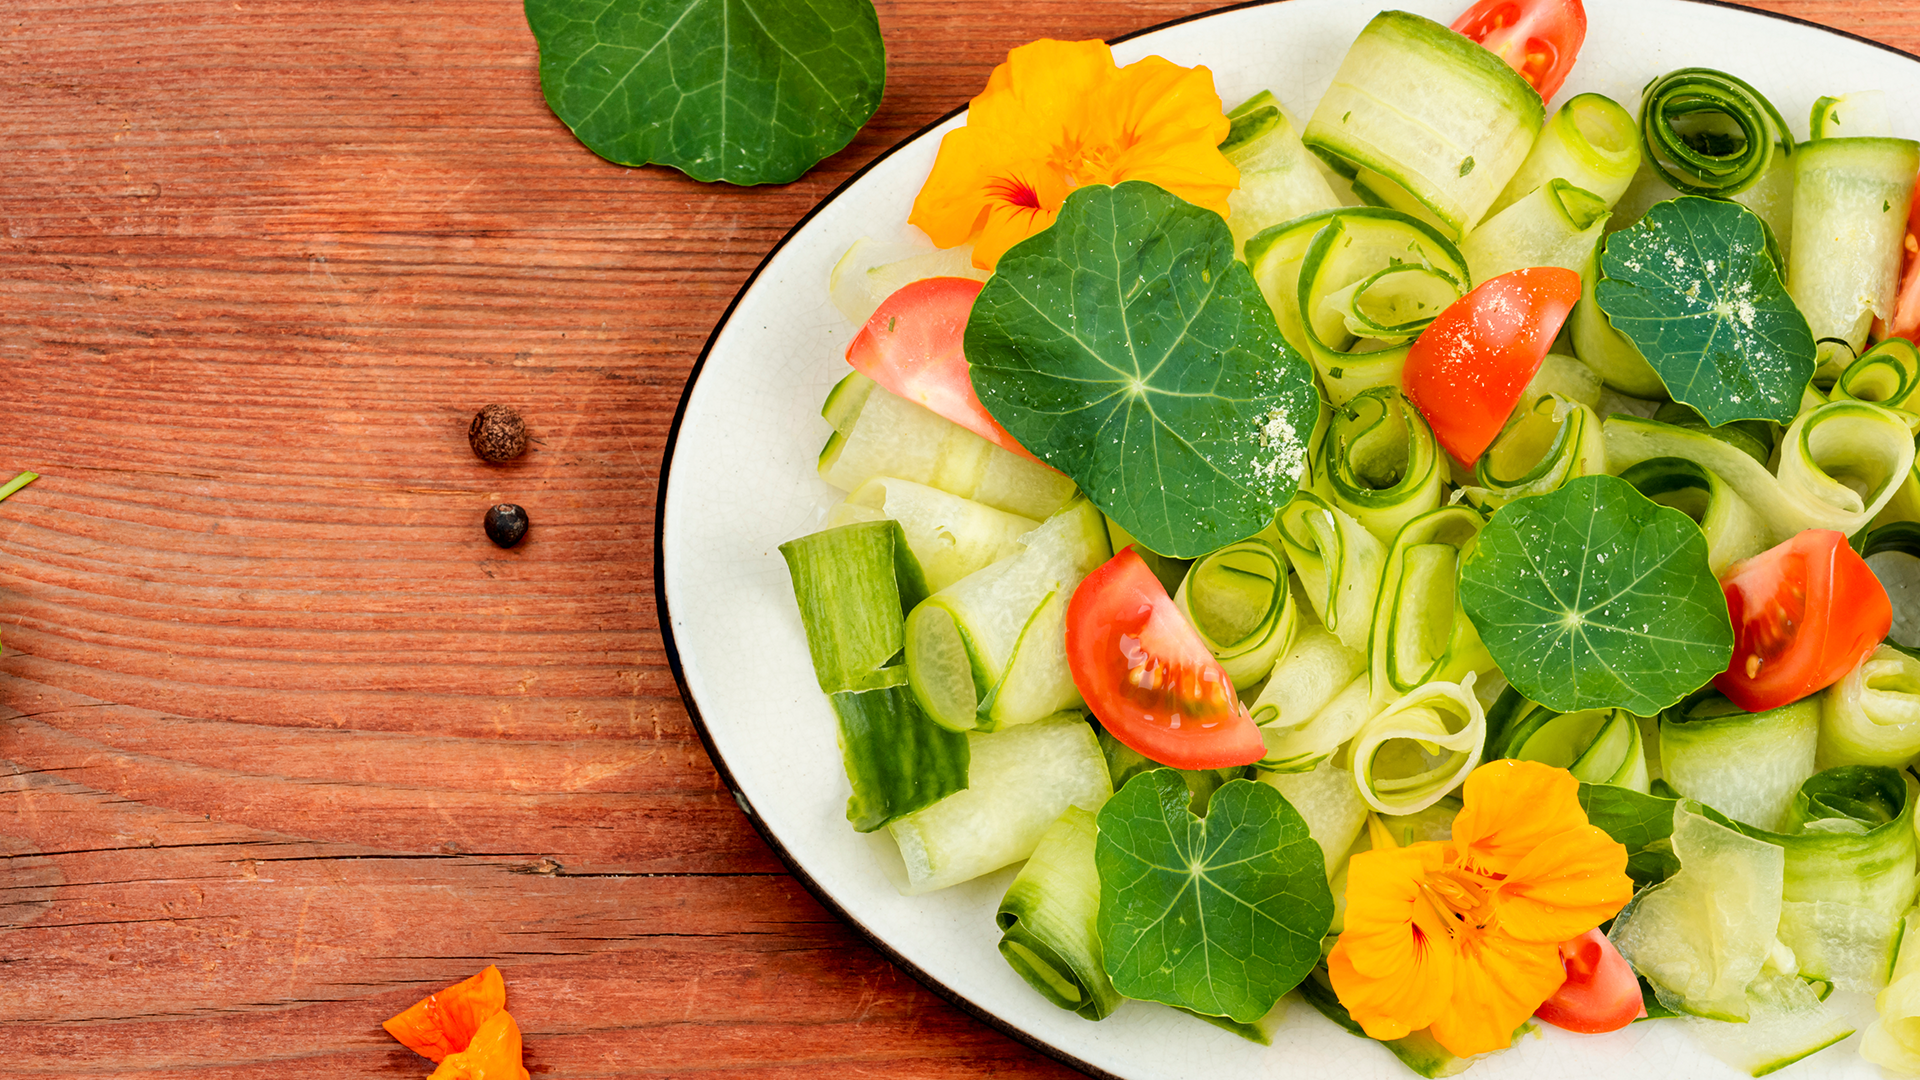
(987, 1016)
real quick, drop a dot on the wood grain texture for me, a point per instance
(284, 742)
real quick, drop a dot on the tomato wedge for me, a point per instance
(912, 346)
(1804, 613)
(1147, 675)
(1466, 370)
(1537, 38)
(1601, 992)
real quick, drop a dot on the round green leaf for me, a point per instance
(1694, 286)
(1127, 347)
(746, 91)
(1596, 597)
(1220, 915)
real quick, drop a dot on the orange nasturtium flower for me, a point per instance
(466, 1028)
(1060, 114)
(1463, 936)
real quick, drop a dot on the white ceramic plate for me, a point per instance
(740, 480)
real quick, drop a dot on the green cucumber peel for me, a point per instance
(897, 759)
(1693, 286)
(745, 91)
(854, 585)
(1219, 915)
(1127, 347)
(1595, 597)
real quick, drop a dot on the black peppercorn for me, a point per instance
(497, 434)
(506, 524)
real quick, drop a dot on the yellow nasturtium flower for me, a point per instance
(1058, 115)
(1463, 936)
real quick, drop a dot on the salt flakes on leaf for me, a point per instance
(1695, 287)
(1127, 347)
(1220, 915)
(1596, 597)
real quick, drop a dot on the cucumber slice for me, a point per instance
(1840, 463)
(1557, 224)
(1873, 712)
(890, 436)
(1701, 936)
(1358, 302)
(1008, 623)
(1049, 920)
(950, 536)
(1329, 801)
(1304, 748)
(1591, 143)
(1442, 118)
(845, 399)
(1314, 669)
(1279, 179)
(1858, 115)
(1339, 563)
(1745, 765)
(1850, 200)
(1238, 600)
(1733, 530)
(1019, 783)
(871, 271)
(897, 760)
(1420, 747)
(1887, 374)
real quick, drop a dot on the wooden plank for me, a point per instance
(284, 742)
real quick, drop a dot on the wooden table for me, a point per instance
(285, 743)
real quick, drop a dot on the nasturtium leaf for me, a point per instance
(1127, 347)
(746, 91)
(1219, 915)
(1694, 286)
(1596, 597)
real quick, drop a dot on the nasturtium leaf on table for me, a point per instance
(1127, 347)
(1596, 597)
(1695, 287)
(746, 91)
(1219, 915)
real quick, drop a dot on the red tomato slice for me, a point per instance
(1600, 994)
(1537, 38)
(1147, 675)
(1466, 370)
(1906, 306)
(912, 346)
(1804, 613)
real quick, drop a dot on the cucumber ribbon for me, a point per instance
(1049, 920)
(1422, 746)
(1830, 455)
(1745, 765)
(1420, 633)
(1873, 712)
(1733, 530)
(1379, 462)
(1598, 746)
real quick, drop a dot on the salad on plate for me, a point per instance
(1439, 557)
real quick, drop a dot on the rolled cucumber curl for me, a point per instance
(1339, 563)
(1379, 461)
(1887, 374)
(1543, 446)
(1709, 133)
(1238, 600)
(1591, 142)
